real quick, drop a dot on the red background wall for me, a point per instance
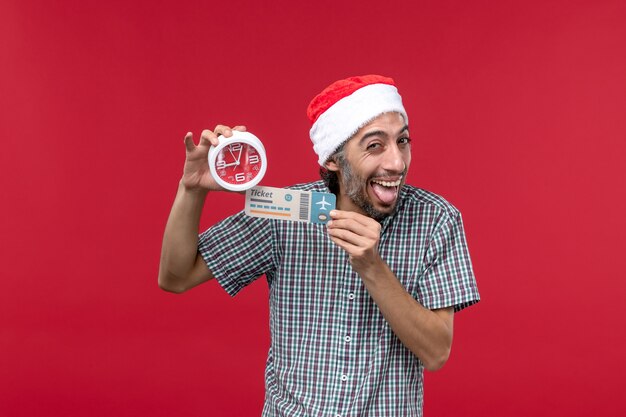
(517, 115)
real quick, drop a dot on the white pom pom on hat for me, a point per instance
(345, 106)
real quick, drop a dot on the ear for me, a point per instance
(331, 165)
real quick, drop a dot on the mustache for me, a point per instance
(386, 173)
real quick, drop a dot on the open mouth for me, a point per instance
(386, 191)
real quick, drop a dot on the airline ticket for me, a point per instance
(286, 204)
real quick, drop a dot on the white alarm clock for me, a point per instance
(238, 162)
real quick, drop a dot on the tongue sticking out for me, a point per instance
(385, 194)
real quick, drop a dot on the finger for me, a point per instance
(343, 214)
(240, 128)
(368, 227)
(360, 218)
(369, 231)
(189, 145)
(209, 138)
(347, 246)
(350, 237)
(223, 130)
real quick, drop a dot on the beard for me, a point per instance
(353, 187)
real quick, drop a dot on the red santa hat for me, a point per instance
(345, 106)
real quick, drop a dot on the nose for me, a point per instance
(393, 160)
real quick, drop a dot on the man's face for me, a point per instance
(374, 166)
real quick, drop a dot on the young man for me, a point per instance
(360, 306)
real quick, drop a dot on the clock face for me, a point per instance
(238, 163)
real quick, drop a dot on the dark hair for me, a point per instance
(330, 178)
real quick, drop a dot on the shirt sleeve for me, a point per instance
(448, 279)
(238, 250)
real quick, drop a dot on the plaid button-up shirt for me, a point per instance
(332, 353)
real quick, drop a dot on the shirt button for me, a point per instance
(347, 339)
(344, 378)
(337, 415)
(351, 296)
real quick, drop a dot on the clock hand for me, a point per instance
(239, 156)
(232, 154)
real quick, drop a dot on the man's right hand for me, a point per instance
(196, 174)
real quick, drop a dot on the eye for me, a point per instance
(404, 140)
(373, 145)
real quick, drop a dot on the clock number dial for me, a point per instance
(238, 163)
